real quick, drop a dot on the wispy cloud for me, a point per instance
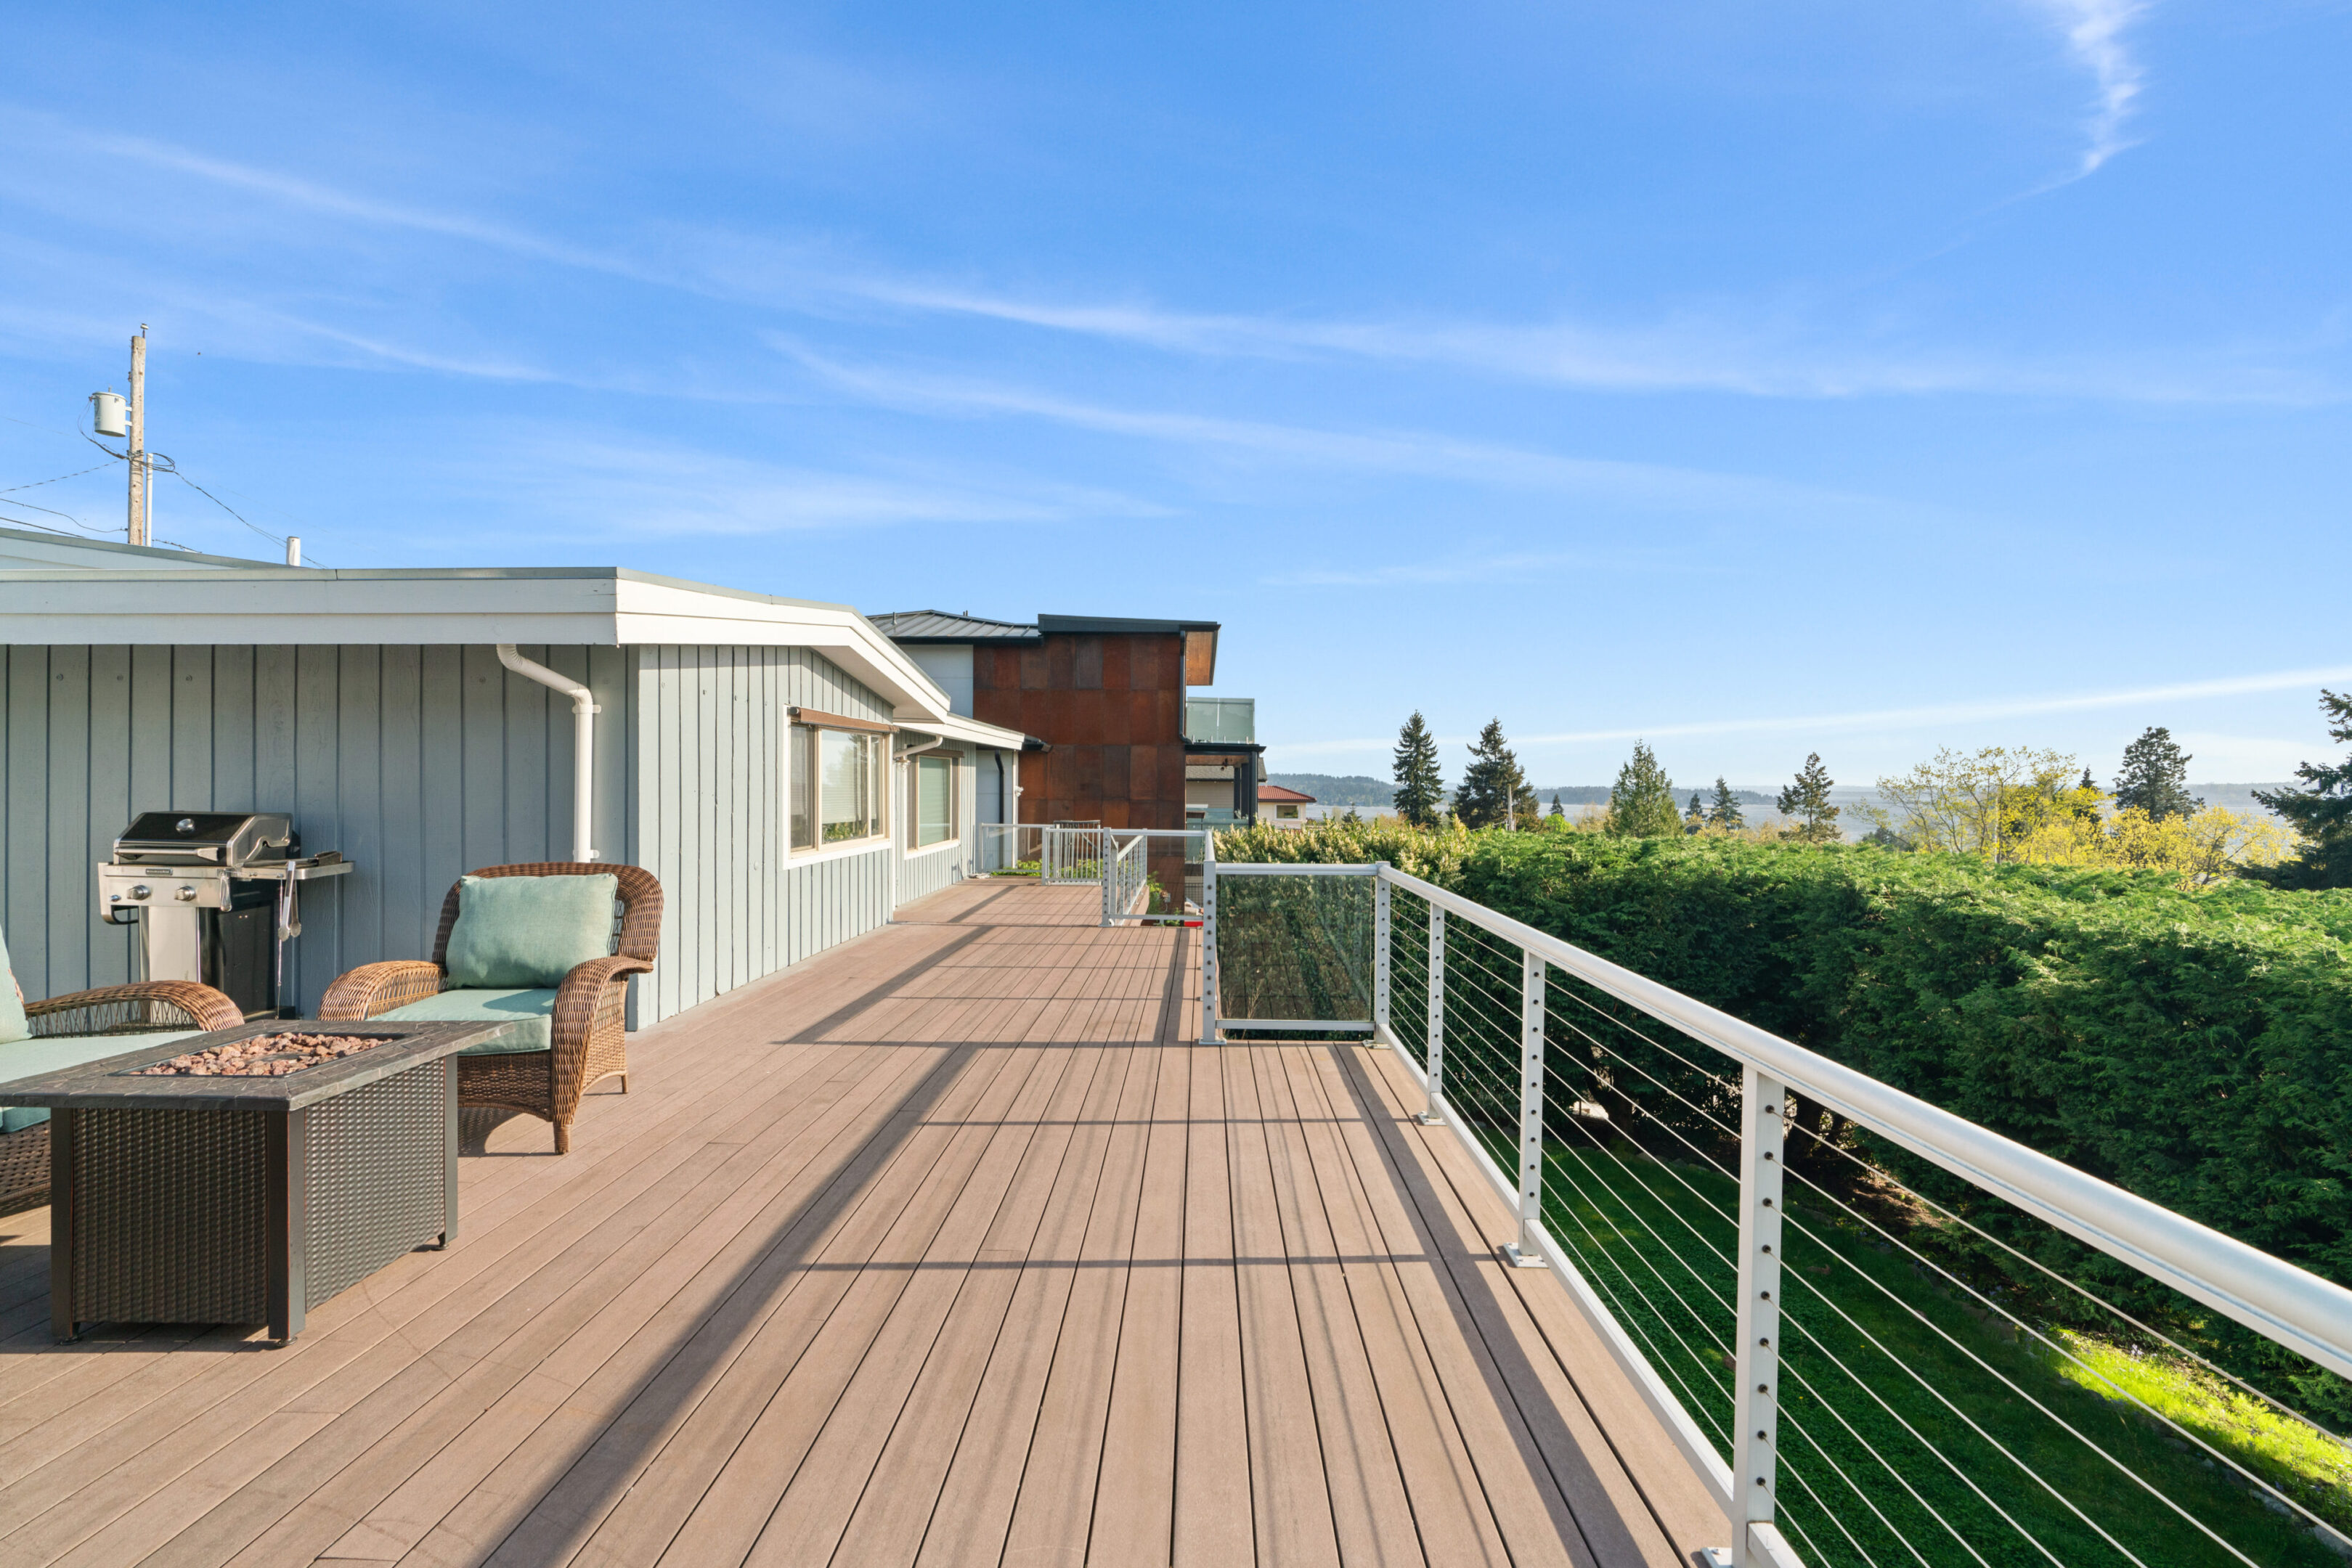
(2094, 33)
(1420, 452)
(1421, 574)
(624, 487)
(1893, 719)
(1778, 350)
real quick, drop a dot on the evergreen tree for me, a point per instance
(1808, 800)
(2154, 777)
(1493, 792)
(1694, 818)
(2322, 809)
(1642, 801)
(1725, 811)
(1556, 809)
(1420, 789)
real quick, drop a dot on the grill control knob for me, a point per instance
(141, 891)
(186, 893)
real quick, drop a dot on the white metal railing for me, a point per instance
(1503, 966)
(1125, 878)
(1118, 860)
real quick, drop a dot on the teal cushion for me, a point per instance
(12, 1006)
(27, 1058)
(530, 1011)
(528, 930)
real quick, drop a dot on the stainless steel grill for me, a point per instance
(215, 895)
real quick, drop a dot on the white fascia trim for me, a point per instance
(969, 731)
(601, 607)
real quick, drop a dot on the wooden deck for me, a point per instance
(946, 1247)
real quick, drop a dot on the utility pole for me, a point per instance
(142, 487)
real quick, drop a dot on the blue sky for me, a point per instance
(1839, 376)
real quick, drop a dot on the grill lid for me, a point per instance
(203, 838)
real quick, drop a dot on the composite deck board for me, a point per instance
(950, 1245)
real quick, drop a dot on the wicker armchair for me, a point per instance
(587, 1044)
(147, 1007)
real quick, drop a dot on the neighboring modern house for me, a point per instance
(1282, 808)
(1107, 700)
(789, 773)
(1225, 766)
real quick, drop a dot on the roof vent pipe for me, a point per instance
(583, 741)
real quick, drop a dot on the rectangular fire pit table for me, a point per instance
(178, 1199)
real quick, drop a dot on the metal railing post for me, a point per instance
(1109, 889)
(1757, 1363)
(1524, 1253)
(1434, 1081)
(1380, 952)
(1209, 940)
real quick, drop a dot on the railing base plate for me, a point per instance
(1430, 1119)
(1519, 1259)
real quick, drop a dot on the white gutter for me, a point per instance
(583, 741)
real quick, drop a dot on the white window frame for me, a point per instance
(954, 761)
(802, 746)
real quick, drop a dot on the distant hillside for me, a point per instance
(1598, 794)
(1331, 790)
(1356, 790)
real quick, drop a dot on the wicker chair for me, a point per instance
(586, 1040)
(147, 1007)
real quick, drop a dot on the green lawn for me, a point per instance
(1906, 1417)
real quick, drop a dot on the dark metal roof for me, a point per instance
(939, 626)
(1111, 624)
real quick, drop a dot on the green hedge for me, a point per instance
(2194, 1048)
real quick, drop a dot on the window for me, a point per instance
(1285, 811)
(933, 810)
(836, 786)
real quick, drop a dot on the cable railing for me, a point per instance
(1878, 1333)
(1121, 860)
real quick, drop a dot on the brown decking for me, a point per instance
(947, 1246)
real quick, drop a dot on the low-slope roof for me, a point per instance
(30, 549)
(602, 606)
(939, 626)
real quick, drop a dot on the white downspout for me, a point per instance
(583, 741)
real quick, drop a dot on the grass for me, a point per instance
(2308, 1465)
(1907, 1417)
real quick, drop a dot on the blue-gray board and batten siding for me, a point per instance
(419, 763)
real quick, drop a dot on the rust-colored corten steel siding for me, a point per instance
(1111, 708)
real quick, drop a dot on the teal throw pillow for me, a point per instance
(528, 930)
(12, 1006)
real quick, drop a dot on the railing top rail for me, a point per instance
(1289, 868)
(2309, 1314)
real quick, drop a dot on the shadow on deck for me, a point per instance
(948, 1245)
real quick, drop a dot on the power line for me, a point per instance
(38, 483)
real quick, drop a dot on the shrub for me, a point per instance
(2191, 1046)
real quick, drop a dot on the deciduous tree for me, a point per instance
(1972, 803)
(1807, 800)
(1642, 801)
(1420, 788)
